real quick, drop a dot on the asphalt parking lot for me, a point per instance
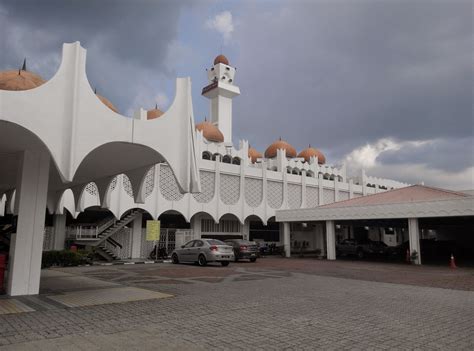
(273, 304)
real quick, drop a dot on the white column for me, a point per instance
(246, 229)
(285, 230)
(59, 224)
(137, 236)
(414, 238)
(30, 201)
(331, 240)
(318, 230)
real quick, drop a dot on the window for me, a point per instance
(198, 243)
(236, 161)
(206, 155)
(227, 159)
(224, 226)
(190, 244)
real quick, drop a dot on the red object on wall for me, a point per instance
(3, 260)
(73, 248)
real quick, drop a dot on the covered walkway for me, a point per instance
(415, 210)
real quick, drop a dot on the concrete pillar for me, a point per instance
(59, 230)
(320, 238)
(414, 238)
(137, 236)
(246, 229)
(285, 230)
(331, 240)
(30, 202)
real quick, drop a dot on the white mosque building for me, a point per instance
(240, 188)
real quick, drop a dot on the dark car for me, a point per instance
(243, 249)
(360, 248)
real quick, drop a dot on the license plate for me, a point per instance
(225, 256)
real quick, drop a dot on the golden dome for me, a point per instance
(312, 152)
(106, 102)
(271, 151)
(19, 80)
(210, 131)
(154, 113)
(221, 59)
(254, 154)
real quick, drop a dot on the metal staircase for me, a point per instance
(104, 235)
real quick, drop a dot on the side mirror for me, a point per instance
(182, 246)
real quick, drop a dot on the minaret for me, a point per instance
(221, 90)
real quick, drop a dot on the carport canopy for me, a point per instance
(409, 203)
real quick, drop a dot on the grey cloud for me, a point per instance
(338, 75)
(127, 41)
(452, 155)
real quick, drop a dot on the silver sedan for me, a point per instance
(203, 251)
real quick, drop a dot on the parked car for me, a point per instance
(361, 248)
(244, 249)
(202, 251)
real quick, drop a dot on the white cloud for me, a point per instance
(368, 157)
(222, 23)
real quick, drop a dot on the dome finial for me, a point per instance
(156, 106)
(23, 68)
(95, 91)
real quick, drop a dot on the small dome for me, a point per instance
(312, 152)
(19, 80)
(107, 102)
(210, 131)
(154, 113)
(271, 151)
(221, 59)
(254, 154)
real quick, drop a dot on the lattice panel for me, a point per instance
(208, 180)
(113, 184)
(253, 192)
(230, 189)
(343, 195)
(149, 181)
(168, 186)
(91, 188)
(357, 195)
(312, 197)
(127, 186)
(146, 246)
(328, 196)
(294, 196)
(274, 194)
(48, 239)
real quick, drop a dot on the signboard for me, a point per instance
(152, 230)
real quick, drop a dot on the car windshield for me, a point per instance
(215, 242)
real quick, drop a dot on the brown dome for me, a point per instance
(254, 154)
(312, 152)
(271, 151)
(210, 131)
(19, 80)
(107, 103)
(154, 113)
(221, 59)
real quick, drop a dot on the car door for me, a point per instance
(185, 252)
(196, 250)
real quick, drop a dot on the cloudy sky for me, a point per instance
(382, 85)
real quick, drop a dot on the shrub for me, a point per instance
(64, 258)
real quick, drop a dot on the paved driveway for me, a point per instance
(274, 304)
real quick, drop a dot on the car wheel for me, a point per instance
(236, 257)
(225, 264)
(360, 254)
(253, 259)
(175, 259)
(202, 260)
